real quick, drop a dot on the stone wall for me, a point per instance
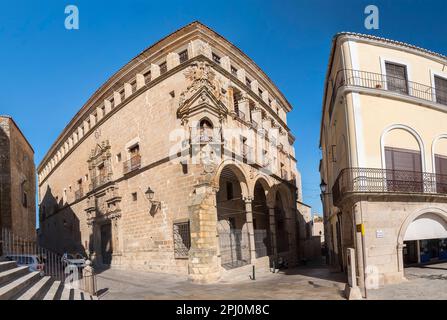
(17, 174)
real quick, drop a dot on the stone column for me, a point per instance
(203, 260)
(272, 229)
(250, 228)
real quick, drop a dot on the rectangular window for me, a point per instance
(403, 170)
(216, 58)
(183, 56)
(441, 90)
(233, 71)
(396, 77)
(260, 92)
(182, 239)
(441, 173)
(163, 67)
(248, 82)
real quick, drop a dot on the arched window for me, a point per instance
(206, 130)
(403, 161)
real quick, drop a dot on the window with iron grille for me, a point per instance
(441, 90)
(216, 58)
(183, 56)
(163, 67)
(182, 239)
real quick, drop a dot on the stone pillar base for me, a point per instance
(353, 293)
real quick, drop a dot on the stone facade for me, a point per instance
(17, 181)
(181, 163)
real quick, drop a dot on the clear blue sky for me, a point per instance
(48, 73)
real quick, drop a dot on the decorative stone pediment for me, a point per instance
(100, 153)
(203, 91)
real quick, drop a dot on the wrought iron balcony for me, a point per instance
(378, 81)
(132, 164)
(372, 180)
(241, 115)
(254, 124)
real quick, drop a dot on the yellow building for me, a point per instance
(384, 156)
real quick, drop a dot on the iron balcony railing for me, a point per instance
(254, 124)
(372, 180)
(378, 81)
(132, 164)
(241, 115)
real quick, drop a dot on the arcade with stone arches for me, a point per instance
(255, 219)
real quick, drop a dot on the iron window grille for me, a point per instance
(182, 239)
(183, 56)
(163, 67)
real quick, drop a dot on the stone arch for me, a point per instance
(409, 130)
(431, 210)
(239, 172)
(263, 180)
(404, 227)
(285, 193)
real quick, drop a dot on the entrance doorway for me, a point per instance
(106, 243)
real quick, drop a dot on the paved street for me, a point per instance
(296, 283)
(425, 282)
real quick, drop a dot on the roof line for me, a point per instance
(109, 82)
(18, 128)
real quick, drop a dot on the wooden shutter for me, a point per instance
(404, 170)
(441, 90)
(441, 173)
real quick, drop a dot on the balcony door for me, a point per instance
(396, 77)
(403, 170)
(441, 173)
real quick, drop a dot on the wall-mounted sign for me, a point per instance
(379, 233)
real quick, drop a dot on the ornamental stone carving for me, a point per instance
(200, 75)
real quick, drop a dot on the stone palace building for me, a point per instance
(182, 162)
(384, 164)
(17, 181)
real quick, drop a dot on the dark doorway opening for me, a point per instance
(106, 243)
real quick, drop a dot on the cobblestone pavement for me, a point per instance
(297, 283)
(427, 282)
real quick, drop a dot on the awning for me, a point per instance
(427, 226)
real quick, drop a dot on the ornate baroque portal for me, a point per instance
(103, 207)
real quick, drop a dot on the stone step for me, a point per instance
(13, 288)
(36, 290)
(51, 293)
(12, 274)
(7, 265)
(65, 293)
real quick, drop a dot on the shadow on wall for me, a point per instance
(59, 227)
(5, 180)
